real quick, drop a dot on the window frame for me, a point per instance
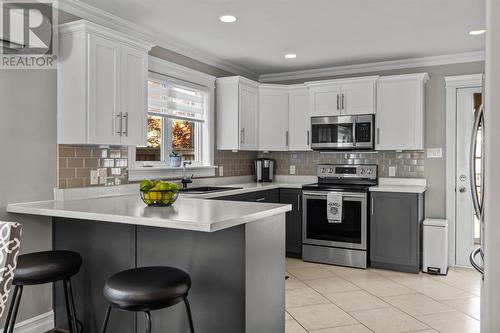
(141, 170)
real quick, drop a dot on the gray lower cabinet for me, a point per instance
(271, 196)
(293, 221)
(395, 230)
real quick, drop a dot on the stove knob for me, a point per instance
(323, 170)
(362, 171)
(330, 170)
(369, 171)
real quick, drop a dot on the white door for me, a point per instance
(325, 100)
(358, 98)
(299, 121)
(104, 91)
(134, 86)
(273, 119)
(468, 226)
(249, 119)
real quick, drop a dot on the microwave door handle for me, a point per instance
(354, 141)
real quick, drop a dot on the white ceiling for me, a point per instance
(323, 33)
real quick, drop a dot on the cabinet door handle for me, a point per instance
(378, 135)
(260, 199)
(120, 126)
(338, 102)
(298, 202)
(286, 138)
(308, 138)
(242, 132)
(343, 102)
(372, 206)
(125, 132)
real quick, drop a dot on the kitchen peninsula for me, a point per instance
(234, 252)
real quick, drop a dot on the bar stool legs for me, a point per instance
(75, 326)
(148, 321)
(106, 319)
(190, 318)
(13, 309)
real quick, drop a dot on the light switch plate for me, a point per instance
(292, 169)
(221, 171)
(392, 171)
(94, 177)
(434, 152)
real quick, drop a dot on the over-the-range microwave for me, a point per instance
(343, 132)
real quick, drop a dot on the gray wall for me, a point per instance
(28, 166)
(435, 130)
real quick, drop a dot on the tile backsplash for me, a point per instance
(235, 163)
(76, 162)
(409, 164)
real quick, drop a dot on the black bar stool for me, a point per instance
(146, 289)
(45, 267)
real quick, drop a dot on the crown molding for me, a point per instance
(375, 67)
(99, 16)
(462, 81)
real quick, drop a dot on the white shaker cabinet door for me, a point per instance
(103, 91)
(249, 118)
(273, 118)
(299, 121)
(134, 83)
(358, 97)
(325, 100)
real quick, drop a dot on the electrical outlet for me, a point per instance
(434, 152)
(221, 171)
(94, 177)
(103, 174)
(292, 169)
(392, 171)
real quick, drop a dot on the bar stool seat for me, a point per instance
(147, 288)
(46, 267)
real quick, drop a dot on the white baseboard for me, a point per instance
(39, 324)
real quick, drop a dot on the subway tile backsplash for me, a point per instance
(76, 162)
(409, 164)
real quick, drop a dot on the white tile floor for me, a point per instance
(333, 299)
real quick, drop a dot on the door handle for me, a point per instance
(286, 138)
(474, 263)
(338, 101)
(343, 102)
(378, 135)
(120, 127)
(125, 132)
(308, 138)
(371, 208)
(298, 202)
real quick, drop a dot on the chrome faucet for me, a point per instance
(186, 180)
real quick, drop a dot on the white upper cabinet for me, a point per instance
(273, 118)
(299, 121)
(343, 97)
(325, 99)
(102, 86)
(400, 112)
(237, 102)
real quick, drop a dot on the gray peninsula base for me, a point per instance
(237, 274)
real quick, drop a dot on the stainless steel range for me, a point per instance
(335, 215)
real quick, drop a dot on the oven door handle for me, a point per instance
(324, 194)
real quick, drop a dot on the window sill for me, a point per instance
(166, 172)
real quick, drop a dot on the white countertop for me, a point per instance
(401, 185)
(187, 213)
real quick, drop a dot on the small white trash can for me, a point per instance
(435, 246)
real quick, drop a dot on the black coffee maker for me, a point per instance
(264, 170)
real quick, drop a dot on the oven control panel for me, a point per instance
(347, 171)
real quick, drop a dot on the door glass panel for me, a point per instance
(319, 228)
(478, 165)
(332, 133)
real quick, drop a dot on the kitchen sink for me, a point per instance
(207, 189)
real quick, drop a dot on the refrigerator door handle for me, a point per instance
(478, 209)
(474, 263)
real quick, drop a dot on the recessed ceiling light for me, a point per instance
(228, 18)
(290, 56)
(476, 32)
